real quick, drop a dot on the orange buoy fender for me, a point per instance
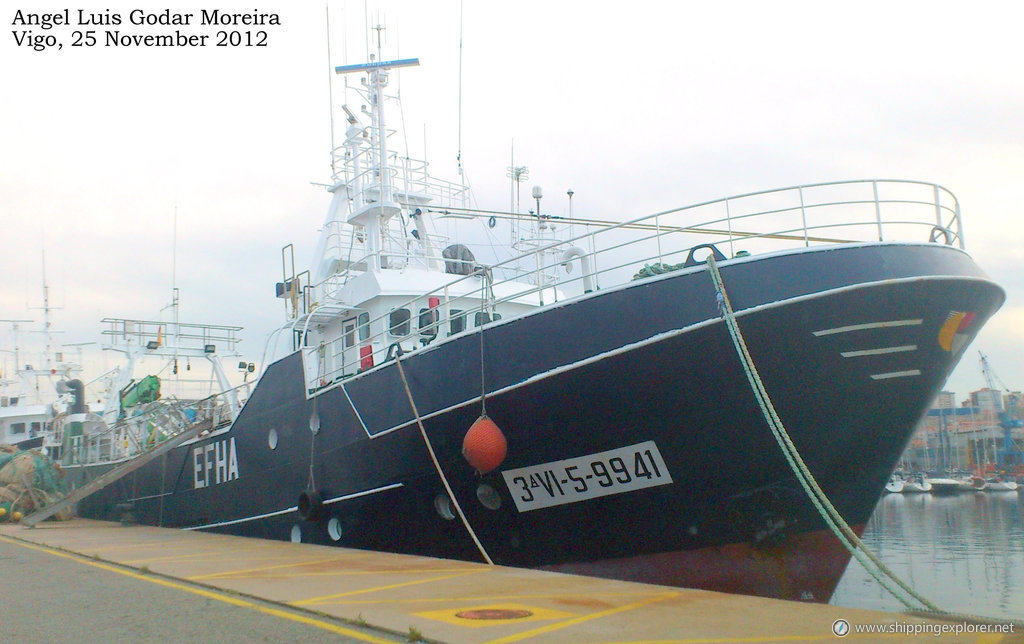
(484, 446)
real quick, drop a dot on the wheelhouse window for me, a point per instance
(364, 326)
(349, 329)
(482, 317)
(457, 323)
(17, 428)
(428, 323)
(399, 322)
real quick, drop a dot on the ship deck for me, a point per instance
(340, 594)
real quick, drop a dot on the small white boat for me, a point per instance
(997, 484)
(916, 485)
(944, 485)
(975, 484)
(895, 485)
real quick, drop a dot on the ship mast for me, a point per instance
(367, 213)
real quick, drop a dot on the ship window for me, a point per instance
(481, 318)
(34, 428)
(399, 322)
(458, 322)
(364, 326)
(349, 327)
(428, 322)
(17, 428)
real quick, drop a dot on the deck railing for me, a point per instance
(605, 255)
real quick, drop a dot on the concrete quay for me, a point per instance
(86, 580)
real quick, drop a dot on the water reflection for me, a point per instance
(964, 553)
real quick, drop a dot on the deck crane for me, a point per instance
(1011, 454)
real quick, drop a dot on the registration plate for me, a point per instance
(625, 469)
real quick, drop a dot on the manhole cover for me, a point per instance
(493, 613)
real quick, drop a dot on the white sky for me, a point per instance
(637, 107)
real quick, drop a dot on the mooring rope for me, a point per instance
(828, 512)
(437, 465)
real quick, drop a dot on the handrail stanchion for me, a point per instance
(728, 224)
(959, 224)
(803, 216)
(878, 210)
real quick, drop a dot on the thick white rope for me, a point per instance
(437, 466)
(828, 512)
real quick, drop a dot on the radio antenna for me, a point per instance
(458, 158)
(330, 84)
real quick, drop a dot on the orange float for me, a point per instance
(484, 445)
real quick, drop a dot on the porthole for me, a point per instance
(272, 439)
(488, 496)
(296, 534)
(334, 529)
(443, 505)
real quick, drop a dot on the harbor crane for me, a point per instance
(1011, 454)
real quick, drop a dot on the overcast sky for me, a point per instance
(637, 107)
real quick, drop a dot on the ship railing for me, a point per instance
(409, 179)
(848, 212)
(177, 335)
(153, 423)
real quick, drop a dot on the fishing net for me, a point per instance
(29, 481)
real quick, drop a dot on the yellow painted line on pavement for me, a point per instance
(329, 573)
(328, 599)
(192, 556)
(481, 598)
(142, 544)
(245, 571)
(209, 594)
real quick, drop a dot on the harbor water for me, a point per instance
(964, 553)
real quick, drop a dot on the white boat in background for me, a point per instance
(945, 485)
(895, 484)
(975, 484)
(916, 485)
(999, 484)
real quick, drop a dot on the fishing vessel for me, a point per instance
(24, 416)
(29, 389)
(171, 377)
(552, 391)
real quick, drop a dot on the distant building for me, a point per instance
(965, 437)
(945, 400)
(987, 400)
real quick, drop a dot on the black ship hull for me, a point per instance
(636, 448)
